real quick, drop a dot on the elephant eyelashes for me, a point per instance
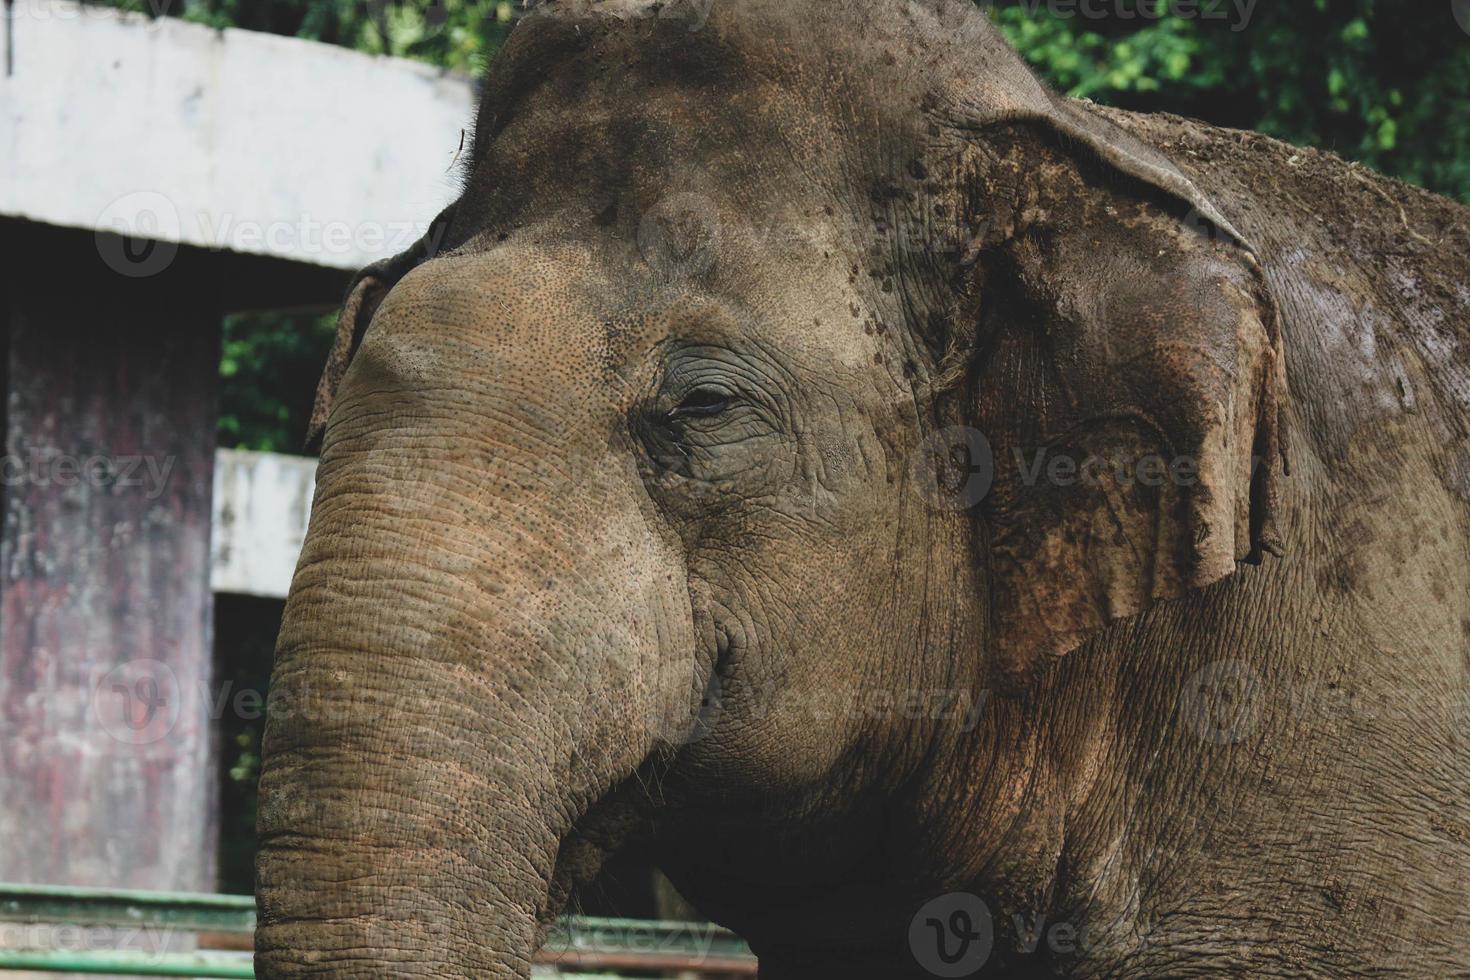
(701, 403)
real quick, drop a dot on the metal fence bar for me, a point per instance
(123, 907)
(118, 963)
(579, 942)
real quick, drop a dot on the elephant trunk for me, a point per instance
(464, 671)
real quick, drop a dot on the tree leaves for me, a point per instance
(1384, 85)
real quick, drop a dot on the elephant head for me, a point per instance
(693, 482)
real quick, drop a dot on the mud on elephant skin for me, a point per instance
(644, 518)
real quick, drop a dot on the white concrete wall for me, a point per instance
(231, 139)
(261, 505)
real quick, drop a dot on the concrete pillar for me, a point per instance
(107, 772)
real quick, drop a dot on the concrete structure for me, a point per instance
(261, 505)
(153, 176)
(252, 143)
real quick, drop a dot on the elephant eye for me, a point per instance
(701, 403)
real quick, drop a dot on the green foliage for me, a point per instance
(246, 629)
(1386, 85)
(1080, 60)
(269, 364)
(461, 35)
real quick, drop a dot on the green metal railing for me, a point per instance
(121, 963)
(64, 905)
(575, 942)
(135, 914)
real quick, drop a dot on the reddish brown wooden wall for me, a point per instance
(106, 763)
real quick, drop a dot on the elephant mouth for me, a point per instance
(621, 818)
(624, 817)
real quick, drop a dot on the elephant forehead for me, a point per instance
(877, 53)
(516, 310)
(618, 107)
(546, 325)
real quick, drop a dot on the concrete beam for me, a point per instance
(234, 140)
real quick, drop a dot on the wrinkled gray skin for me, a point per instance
(635, 526)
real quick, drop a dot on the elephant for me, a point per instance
(951, 528)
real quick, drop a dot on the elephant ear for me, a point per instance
(364, 296)
(1126, 367)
